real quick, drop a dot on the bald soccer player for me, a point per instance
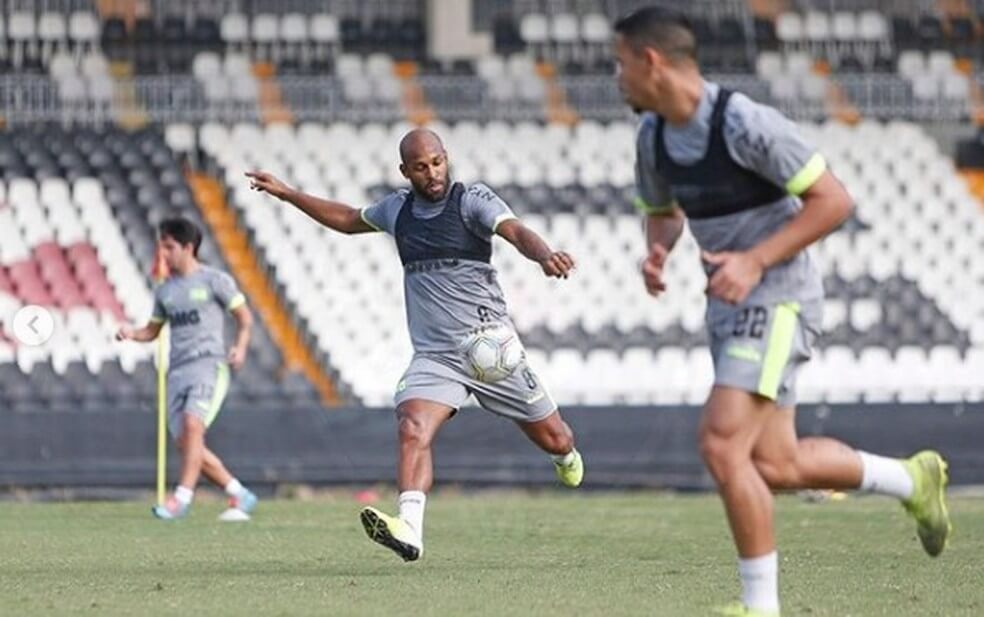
(443, 234)
(755, 195)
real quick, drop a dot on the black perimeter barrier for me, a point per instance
(623, 447)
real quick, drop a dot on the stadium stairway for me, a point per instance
(270, 96)
(557, 109)
(245, 266)
(414, 101)
(975, 180)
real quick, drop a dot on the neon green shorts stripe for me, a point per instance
(218, 396)
(781, 337)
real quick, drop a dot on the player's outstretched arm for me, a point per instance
(663, 229)
(331, 214)
(554, 263)
(141, 335)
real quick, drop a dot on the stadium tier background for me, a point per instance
(117, 114)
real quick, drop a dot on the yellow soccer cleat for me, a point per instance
(738, 609)
(393, 533)
(928, 502)
(572, 473)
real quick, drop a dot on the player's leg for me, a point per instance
(179, 386)
(418, 422)
(556, 438)
(787, 462)
(212, 397)
(729, 428)
(521, 397)
(200, 390)
(192, 448)
(189, 434)
(215, 470)
(753, 348)
(428, 394)
(240, 497)
(551, 434)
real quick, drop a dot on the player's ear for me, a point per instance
(652, 57)
(403, 170)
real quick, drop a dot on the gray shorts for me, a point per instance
(759, 348)
(197, 388)
(444, 379)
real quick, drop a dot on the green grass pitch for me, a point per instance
(487, 553)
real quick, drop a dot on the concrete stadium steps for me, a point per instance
(246, 268)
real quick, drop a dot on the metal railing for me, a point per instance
(365, 10)
(890, 96)
(459, 97)
(27, 99)
(41, 6)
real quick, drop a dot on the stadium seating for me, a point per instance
(77, 237)
(883, 306)
(311, 56)
(83, 202)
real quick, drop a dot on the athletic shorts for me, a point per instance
(759, 348)
(197, 388)
(443, 378)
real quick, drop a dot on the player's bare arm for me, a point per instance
(554, 263)
(663, 229)
(244, 327)
(145, 334)
(332, 214)
(826, 205)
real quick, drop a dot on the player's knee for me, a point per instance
(192, 429)
(719, 455)
(413, 431)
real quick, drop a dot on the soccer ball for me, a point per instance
(493, 353)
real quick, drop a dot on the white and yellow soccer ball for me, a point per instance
(493, 352)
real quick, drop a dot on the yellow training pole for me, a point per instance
(161, 414)
(159, 272)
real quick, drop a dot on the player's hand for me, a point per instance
(125, 333)
(736, 274)
(559, 265)
(652, 269)
(237, 357)
(267, 183)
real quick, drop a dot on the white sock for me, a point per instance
(184, 494)
(564, 459)
(411, 504)
(760, 582)
(233, 488)
(886, 476)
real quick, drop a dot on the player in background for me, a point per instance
(443, 234)
(756, 195)
(194, 300)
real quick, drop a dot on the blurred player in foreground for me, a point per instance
(443, 233)
(194, 300)
(756, 196)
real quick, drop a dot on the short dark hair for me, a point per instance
(182, 231)
(665, 31)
